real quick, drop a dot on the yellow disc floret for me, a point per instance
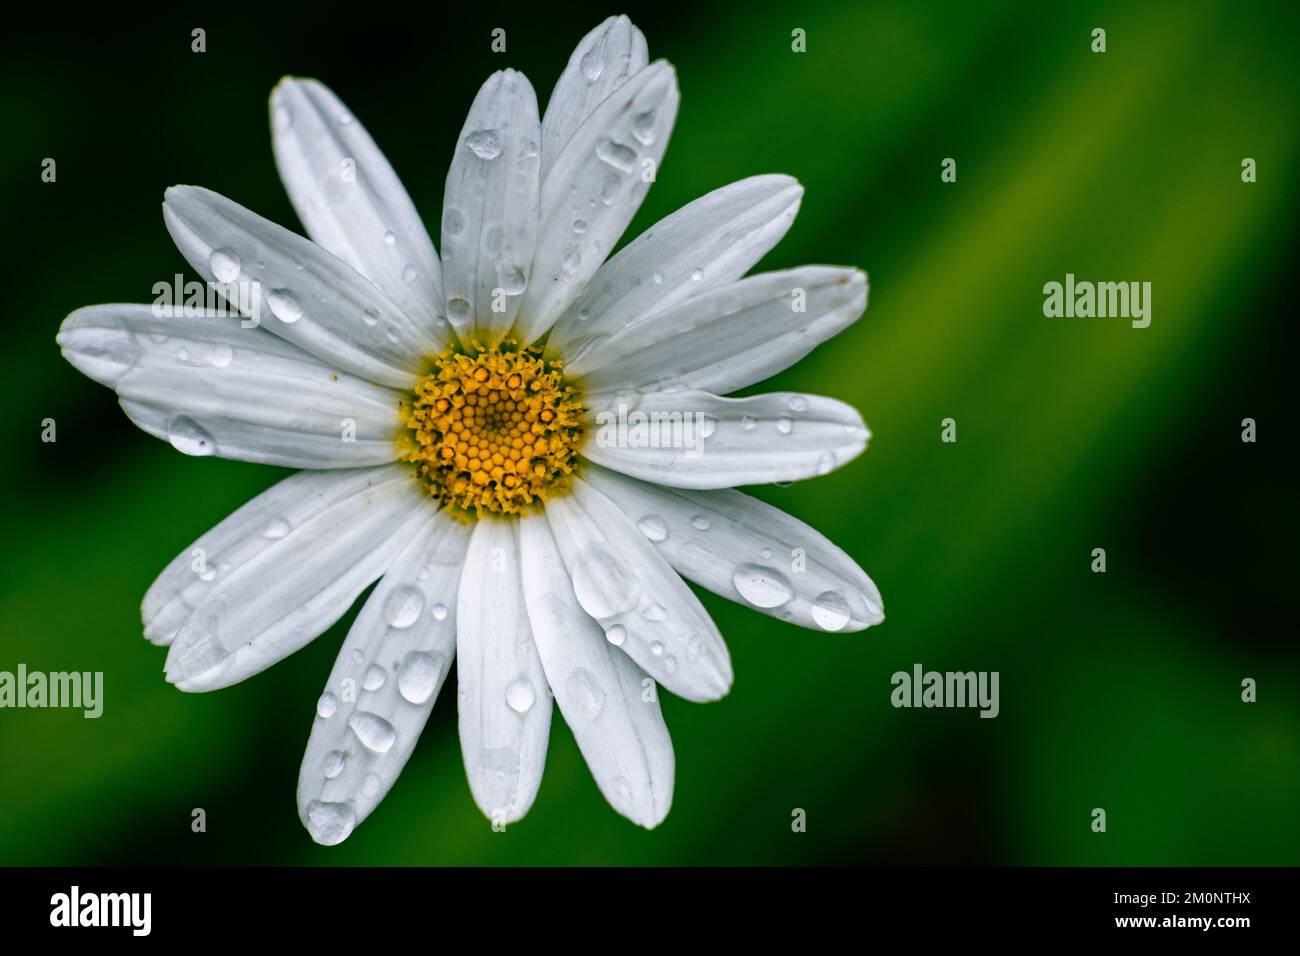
(493, 430)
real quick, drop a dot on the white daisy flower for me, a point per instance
(482, 434)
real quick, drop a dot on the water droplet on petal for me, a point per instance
(418, 676)
(762, 586)
(798, 403)
(221, 355)
(831, 611)
(285, 305)
(276, 528)
(586, 693)
(784, 425)
(439, 612)
(332, 765)
(603, 583)
(327, 704)
(188, 437)
(375, 678)
(330, 823)
(225, 265)
(373, 731)
(520, 695)
(486, 143)
(617, 155)
(700, 523)
(403, 606)
(616, 635)
(653, 527)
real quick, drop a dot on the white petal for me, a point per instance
(592, 191)
(489, 212)
(298, 290)
(727, 339)
(384, 683)
(288, 594)
(748, 551)
(599, 689)
(281, 511)
(697, 440)
(707, 244)
(211, 387)
(505, 709)
(350, 200)
(636, 598)
(604, 60)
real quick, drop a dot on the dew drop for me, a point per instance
(285, 305)
(617, 155)
(826, 463)
(586, 693)
(831, 611)
(747, 423)
(373, 731)
(225, 265)
(784, 425)
(330, 823)
(458, 309)
(700, 523)
(643, 127)
(403, 606)
(332, 765)
(603, 583)
(390, 239)
(376, 677)
(418, 676)
(486, 143)
(798, 403)
(762, 586)
(616, 635)
(221, 355)
(697, 275)
(439, 612)
(327, 704)
(514, 281)
(276, 528)
(653, 527)
(189, 438)
(520, 695)
(371, 784)
(657, 648)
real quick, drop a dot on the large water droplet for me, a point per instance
(831, 611)
(330, 823)
(225, 265)
(653, 527)
(762, 586)
(285, 305)
(418, 676)
(332, 765)
(643, 127)
(373, 731)
(586, 693)
(458, 309)
(189, 437)
(375, 678)
(486, 143)
(403, 606)
(514, 280)
(616, 635)
(327, 704)
(520, 695)
(617, 155)
(603, 582)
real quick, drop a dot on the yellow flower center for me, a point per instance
(493, 431)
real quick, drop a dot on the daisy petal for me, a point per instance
(748, 551)
(697, 440)
(636, 597)
(303, 294)
(592, 191)
(707, 244)
(211, 387)
(272, 516)
(383, 684)
(505, 710)
(351, 202)
(604, 60)
(600, 690)
(489, 217)
(729, 338)
(289, 593)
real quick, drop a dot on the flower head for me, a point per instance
(521, 439)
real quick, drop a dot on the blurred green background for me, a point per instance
(1119, 691)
